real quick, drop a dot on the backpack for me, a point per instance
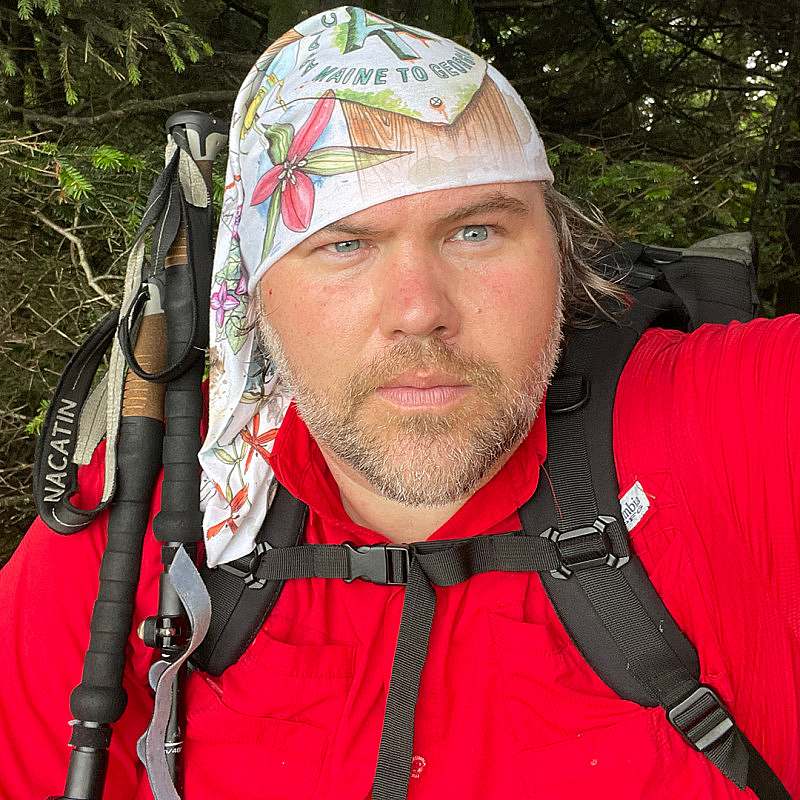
(597, 585)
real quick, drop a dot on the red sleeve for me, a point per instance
(741, 441)
(712, 420)
(47, 592)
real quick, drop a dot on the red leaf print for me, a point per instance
(297, 202)
(308, 134)
(239, 499)
(215, 529)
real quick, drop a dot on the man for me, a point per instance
(391, 231)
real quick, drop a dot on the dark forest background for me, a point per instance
(679, 120)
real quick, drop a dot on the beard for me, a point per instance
(426, 458)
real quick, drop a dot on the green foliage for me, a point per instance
(74, 185)
(82, 42)
(109, 159)
(34, 426)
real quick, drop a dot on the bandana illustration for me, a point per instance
(343, 112)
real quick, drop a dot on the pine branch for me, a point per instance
(129, 109)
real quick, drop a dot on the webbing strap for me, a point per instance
(444, 563)
(693, 709)
(395, 752)
(426, 564)
(53, 484)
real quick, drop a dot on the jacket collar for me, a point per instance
(300, 466)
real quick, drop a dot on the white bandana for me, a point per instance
(345, 111)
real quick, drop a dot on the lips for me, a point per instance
(423, 391)
(416, 380)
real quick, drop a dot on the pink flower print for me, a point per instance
(222, 301)
(241, 285)
(287, 184)
(297, 190)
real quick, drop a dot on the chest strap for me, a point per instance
(593, 554)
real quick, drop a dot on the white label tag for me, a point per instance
(635, 504)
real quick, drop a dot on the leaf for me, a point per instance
(107, 158)
(279, 136)
(339, 160)
(272, 221)
(236, 331)
(24, 9)
(8, 65)
(34, 425)
(224, 456)
(232, 269)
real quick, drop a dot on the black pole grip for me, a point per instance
(100, 696)
(180, 518)
(99, 699)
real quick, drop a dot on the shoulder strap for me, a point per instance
(614, 615)
(240, 603)
(55, 473)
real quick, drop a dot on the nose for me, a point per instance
(416, 291)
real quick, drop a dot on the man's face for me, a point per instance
(418, 336)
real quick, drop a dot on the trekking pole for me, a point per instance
(179, 523)
(100, 699)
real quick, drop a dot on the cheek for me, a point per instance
(513, 313)
(323, 328)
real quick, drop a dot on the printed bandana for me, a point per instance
(343, 112)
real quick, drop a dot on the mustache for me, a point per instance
(409, 355)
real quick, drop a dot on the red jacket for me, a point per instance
(709, 424)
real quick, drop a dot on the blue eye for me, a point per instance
(350, 246)
(474, 233)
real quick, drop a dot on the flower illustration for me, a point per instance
(235, 503)
(256, 442)
(287, 184)
(223, 301)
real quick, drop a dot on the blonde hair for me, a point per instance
(583, 239)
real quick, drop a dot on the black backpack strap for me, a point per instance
(239, 604)
(55, 473)
(600, 591)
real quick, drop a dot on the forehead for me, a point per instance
(443, 207)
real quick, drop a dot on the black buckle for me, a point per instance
(247, 566)
(701, 718)
(593, 549)
(378, 563)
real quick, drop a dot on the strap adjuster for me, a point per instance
(582, 548)
(701, 718)
(386, 564)
(247, 566)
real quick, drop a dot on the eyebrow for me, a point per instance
(497, 201)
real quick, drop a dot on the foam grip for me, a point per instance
(180, 519)
(100, 697)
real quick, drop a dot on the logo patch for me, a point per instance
(635, 504)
